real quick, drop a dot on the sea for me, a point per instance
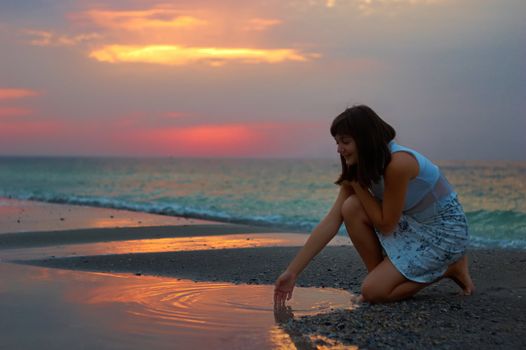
(286, 194)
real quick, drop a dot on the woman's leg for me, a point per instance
(361, 232)
(385, 283)
(459, 273)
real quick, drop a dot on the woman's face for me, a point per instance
(347, 149)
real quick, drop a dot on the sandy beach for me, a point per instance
(438, 317)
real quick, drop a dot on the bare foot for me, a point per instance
(459, 273)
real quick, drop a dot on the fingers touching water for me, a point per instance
(283, 289)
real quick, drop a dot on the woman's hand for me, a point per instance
(283, 288)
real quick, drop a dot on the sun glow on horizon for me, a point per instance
(202, 139)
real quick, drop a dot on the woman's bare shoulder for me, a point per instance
(402, 163)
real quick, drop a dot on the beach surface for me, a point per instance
(196, 250)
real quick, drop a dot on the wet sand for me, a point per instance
(30, 216)
(436, 318)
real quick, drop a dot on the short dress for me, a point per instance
(432, 234)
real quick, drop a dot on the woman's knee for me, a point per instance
(373, 293)
(352, 208)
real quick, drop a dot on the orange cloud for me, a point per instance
(259, 24)
(369, 7)
(330, 3)
(13, 111)
(179, 55)
(45, 38)
(7, 93)
(160, 17)
(168, 36)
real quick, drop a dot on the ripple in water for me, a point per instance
(181, 306)
(120, 311)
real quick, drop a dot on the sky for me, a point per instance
(202, 78)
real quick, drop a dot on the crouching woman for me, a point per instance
(402, 215)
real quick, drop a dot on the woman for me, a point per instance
(399, 211)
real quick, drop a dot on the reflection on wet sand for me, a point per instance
(135, 312)
(253, 240)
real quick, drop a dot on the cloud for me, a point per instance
(166, 35)
(180, 55)
(14, 111)
(159, 17)
(330, 3)
(9, 93)
(369, 7)
(260, 24)
(47, 38)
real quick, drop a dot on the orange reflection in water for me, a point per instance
(196, 243)
(155, 312)
(169, 305)
(233, 241)
(253, 240)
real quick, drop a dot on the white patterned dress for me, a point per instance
(433, 230)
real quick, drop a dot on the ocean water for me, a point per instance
(292, 194)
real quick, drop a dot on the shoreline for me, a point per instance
(437, 317)
(83, 215)
(36, 216)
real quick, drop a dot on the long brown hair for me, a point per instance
(372, 136)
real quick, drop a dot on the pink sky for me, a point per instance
(246, 79)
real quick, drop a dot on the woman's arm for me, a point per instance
(322, 233)
(318, 239)
(386, 214)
